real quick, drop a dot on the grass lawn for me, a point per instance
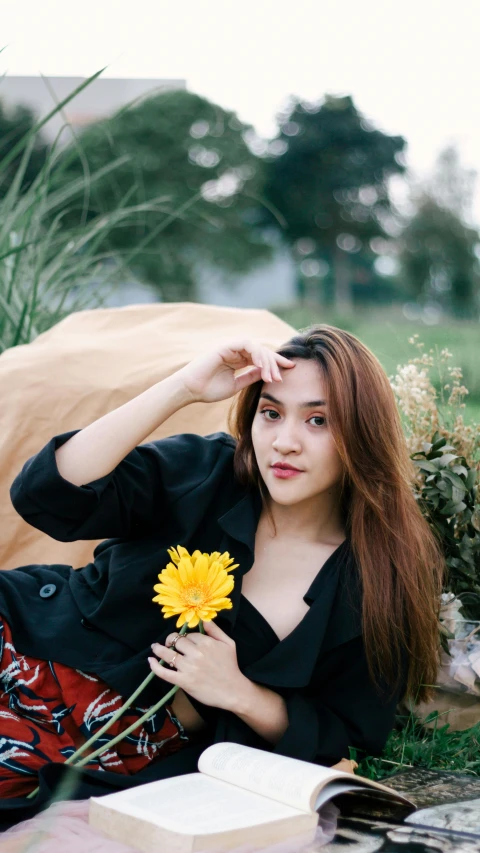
(413, 745)
(386, 333)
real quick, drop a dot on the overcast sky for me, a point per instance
(411, 67)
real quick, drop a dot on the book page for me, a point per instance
(287, 780)
(196, 804)
(333, 789)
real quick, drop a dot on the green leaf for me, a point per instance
(455, 479)
(438, 444)
(452, 508)
(424, 465)
(471, 478)
(446, 459)
(455, 563)
(460, 469)
(447, 491)
(457, 494)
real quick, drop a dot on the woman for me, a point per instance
(335, 605)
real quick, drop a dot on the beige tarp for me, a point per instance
(89, 364)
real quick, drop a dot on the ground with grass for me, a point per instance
(411, 744)
(386, 333)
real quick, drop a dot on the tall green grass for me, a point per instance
(48, 270)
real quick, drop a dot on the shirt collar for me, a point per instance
(241, 520)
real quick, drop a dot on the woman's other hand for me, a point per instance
(346, 764)
(211, 377)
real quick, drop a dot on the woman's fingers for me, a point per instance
(260, 357)
(165, 653)
(248, 377)
(270, 363)
(283, 361)
(267, 366)
(274, 362)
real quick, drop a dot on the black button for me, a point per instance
(86, 624)
(48, 590)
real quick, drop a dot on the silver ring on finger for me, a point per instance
(173, 644)
(169, 645)
(172, 662)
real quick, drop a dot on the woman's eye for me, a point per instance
(266, 412)
(319, 418)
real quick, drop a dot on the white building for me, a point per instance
(99, 99)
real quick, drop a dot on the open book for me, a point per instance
(241, 795)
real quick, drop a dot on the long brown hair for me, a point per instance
(399, 559)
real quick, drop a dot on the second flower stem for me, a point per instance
(151, 711)
(83, 748)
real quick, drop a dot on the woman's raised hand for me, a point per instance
(211, 377)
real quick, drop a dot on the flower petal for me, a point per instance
(201, 569)
(173, 554)
(185, 570)
(221, 604)
(182, 552)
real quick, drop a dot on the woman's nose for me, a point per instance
(286, 439)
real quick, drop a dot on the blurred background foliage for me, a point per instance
(192, 171)
(329, 181)
(190, 156)
(14, 126)
(172, 185)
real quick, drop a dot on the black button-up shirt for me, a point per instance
(101, 618)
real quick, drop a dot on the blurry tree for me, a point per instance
(190, 180)
(14, 124)
(326, 174)
(439, 245)
(452, 184)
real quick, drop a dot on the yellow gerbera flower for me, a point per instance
(225, 559)
(195, 587)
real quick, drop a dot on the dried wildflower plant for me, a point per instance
(425, 412)
(445, 452)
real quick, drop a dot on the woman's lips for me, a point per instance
(285, 473)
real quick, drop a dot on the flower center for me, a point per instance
(195, 595)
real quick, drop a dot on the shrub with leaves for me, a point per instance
(445, 452)
(447, 498)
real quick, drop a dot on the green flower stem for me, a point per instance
(114, 718)
(153, 710)
(111, 721)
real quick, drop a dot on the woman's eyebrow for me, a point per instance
(310, 405)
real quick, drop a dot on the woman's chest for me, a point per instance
(280, 577)
(277, 582)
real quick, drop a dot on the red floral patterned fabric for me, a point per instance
(47, 710)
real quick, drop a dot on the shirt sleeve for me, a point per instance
(347, 711)
(140, 496)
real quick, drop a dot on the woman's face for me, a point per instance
(290, 428)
